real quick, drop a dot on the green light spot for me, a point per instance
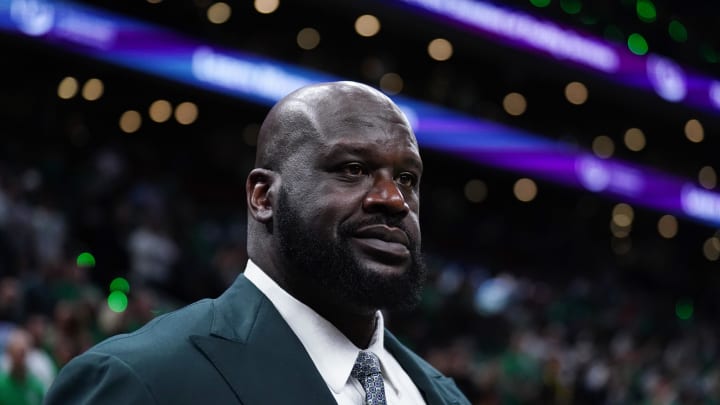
(646, 10)
(120, 284)
(540, 3)
(613, 33)
(677, 31)
(709, 54)
(684, 309)
(117, 301)
(571, 6)
(637, 44)
(85, 259)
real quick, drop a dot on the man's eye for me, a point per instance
(407, 179)
(354, 169)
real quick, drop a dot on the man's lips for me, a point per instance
(383, 239)
(384, 233)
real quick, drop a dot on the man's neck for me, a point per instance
(357, 324)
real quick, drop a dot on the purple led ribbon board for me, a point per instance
(169, 55)
(653, 73)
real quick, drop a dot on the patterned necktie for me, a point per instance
(367, 371)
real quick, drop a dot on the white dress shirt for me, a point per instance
(334, 354)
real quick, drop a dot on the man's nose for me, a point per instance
(385, 196)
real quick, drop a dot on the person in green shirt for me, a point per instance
(19, 386)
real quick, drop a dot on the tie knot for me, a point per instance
(366, 364)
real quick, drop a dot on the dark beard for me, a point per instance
(332, 268)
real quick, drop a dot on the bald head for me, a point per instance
(307, 114)
(18, 345)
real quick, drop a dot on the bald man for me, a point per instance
(19, 386)
(333, 238)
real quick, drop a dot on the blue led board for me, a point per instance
(155, 50)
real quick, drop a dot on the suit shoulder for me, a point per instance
(161, 336)
(98, 379)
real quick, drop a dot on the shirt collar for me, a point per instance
(332, 353)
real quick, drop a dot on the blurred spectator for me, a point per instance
(19, 386)
(152, 253)
(38, 362)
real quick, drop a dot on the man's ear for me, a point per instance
(260, 187)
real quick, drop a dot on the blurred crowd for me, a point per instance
(514, 340)
(505, 338)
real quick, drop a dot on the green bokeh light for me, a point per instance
(117, 301)
(85, 259)
(540, 3)
(677, 31)
(684, 309)
(120, 284)
(709, 54)
(646, 10)
(637, 44)
(571, 6)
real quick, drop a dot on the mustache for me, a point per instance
(348, 229)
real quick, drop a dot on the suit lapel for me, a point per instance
(257, 353)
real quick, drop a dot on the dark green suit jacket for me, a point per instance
(235, 349)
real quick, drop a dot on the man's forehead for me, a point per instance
(407, 152)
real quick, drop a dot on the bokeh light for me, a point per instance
(85, 259)
(694, 131)
(308, 38)
(440, 49)
(367, 25)
(120, 284)
(623, 215)
(711, 248)
(130, 121)
(668, 226)
(603, 146)
(620, 231)
(160, 111)
(186, 113)
(684, 309)
(646, 10)
(637, 44)
(117, 301)
(576, 93)
(476, 191)
(540, 3)
(677, 31)
(92, 89)
(525, 190)
(571, 6)
(514, 104)
(266, 6)
(634, 139)
(219, 13)
(391, 83)
(707, 177)
(67, 88)
(708, 53)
